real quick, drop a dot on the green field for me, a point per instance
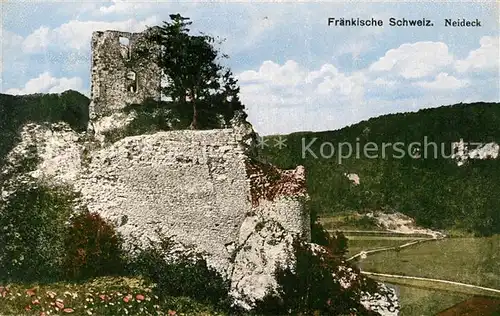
(467, 260)
(422, 302)
(437, 286)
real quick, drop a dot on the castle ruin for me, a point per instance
(120, 75)
(203, 187)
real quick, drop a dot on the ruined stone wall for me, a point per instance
(120, 76)
(189, 184)
(194, 185)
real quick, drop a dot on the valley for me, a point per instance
(429, 275)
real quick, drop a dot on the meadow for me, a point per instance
(468, 260)
(417, 302)
(471, 260)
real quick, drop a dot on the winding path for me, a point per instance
(371, 251)
(432, 280)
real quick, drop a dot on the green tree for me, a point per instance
(194, 75)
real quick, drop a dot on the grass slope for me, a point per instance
(436, 192)
(418, 302)
(467, 260)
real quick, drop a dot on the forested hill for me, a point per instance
(436, 191)
(15, 111)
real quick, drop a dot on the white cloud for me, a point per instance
(289, 74)
(342, 84)
(45, 83)
(120, 7)
(282, 98)
(327, 70)
(414, 60)
(76, 34)
(443, 81)
(486, 57)
(384, 82)
(289, 96)
(37, 40)
(9, 43)
(293, 80)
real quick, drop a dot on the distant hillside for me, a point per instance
(437, 192)
(69, 106)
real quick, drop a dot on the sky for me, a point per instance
(296, 73)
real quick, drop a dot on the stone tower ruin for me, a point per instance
(120, 76)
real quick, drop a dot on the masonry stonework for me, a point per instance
(192, 185)
(120, 75)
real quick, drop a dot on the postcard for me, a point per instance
(249, 158)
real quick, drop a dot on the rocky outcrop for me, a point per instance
(200, 186)
(353, 177)
(381, 299)
(401, 223)
(263, 246)
(384, 302)
(191, 184)
(462, 152)
(56, 150)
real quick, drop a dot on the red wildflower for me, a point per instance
(127, 298)
(30, 292)
(59, 303)
(139, 297)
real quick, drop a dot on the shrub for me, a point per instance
(32, 226)
(93, 248)
(183, 273)
(313, 286)
(336, 242)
